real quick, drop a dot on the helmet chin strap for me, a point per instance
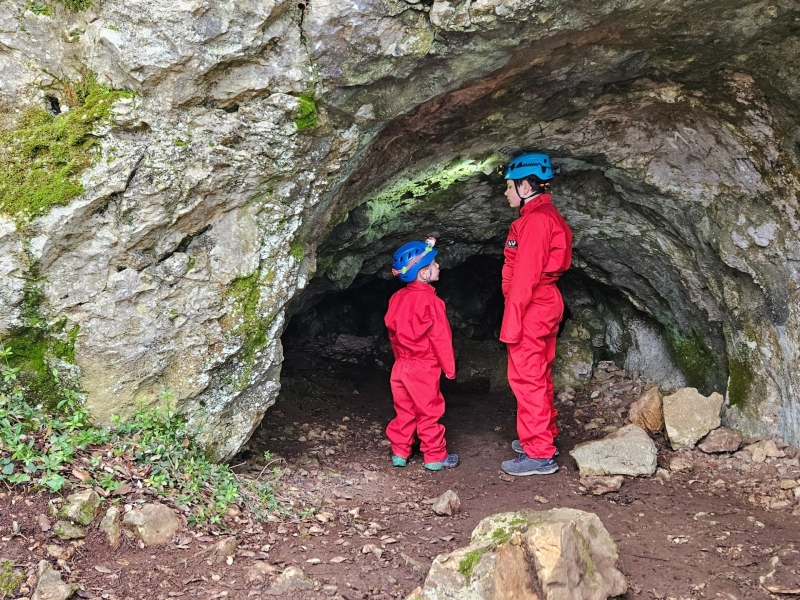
(525, 199)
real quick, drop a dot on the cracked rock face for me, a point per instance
(212, 204)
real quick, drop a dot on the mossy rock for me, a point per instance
(81, 507)
(67, 531)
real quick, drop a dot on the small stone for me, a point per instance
(292, 578)
(154, 523)
(259, 571)
(788, 484)
(418, 567)
(646, 412)
(662, 475)
(721, 439)
(681, 463)
(67, 531)
(43, 522)
(110, 525)
(223, 549)
(447, 504)
(50, 586)
(599, 485)
(772, 451)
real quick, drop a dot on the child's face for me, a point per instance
(432, 270)
(511, 192)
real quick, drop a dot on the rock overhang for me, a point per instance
(667, 126)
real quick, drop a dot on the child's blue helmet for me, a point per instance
(531, 164)
(411, 257)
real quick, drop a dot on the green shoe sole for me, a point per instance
(399, 461)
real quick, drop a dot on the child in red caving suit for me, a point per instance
(423, 347)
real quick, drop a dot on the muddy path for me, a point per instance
(360, 528)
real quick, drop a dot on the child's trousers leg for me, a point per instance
(400, 430)
(422, 382)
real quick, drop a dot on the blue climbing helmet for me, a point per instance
(411, 257)
(530, 164)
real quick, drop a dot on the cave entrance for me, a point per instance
(337, 356)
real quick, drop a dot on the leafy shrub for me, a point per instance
(154, 448)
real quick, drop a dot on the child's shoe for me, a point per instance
(524, 465)
(399, 461)
(448, 463)
(517, 447)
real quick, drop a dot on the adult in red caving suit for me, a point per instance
(422, 344)
(538, 251)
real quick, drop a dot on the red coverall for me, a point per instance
(423, 347)
(538, 250)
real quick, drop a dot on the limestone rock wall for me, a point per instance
(214, 199)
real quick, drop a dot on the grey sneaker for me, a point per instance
(448, 463)
(524, 465)
(517, 447)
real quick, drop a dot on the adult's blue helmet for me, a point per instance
(531, 164)
(411, 257)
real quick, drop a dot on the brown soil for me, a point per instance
(697, 535)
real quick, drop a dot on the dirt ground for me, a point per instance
(362, 529)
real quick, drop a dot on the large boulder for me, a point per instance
(565, 553)
(627, 451)
(688, 416)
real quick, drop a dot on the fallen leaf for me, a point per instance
(102, 569)
(338, 559)
(81, 474)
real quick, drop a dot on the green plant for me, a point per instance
(10, 580)
(42, 448)
(306, 116)
(180, 143)
(76, 5)
(38, 8)
(42, 156)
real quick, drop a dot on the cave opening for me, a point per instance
(337, 340)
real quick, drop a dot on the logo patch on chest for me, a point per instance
(511, 243)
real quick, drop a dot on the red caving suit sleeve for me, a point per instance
(533, 234)
(442, 339)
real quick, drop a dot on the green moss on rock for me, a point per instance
(42, 156)
(470, 561)
(693, 356)
(306, 111)
(252, 320)
(740, 383)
